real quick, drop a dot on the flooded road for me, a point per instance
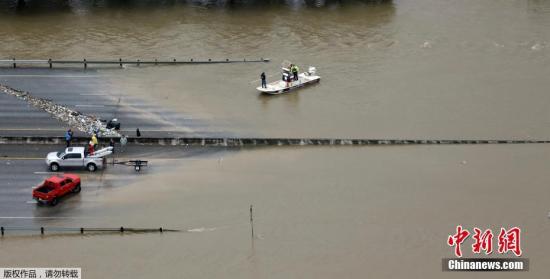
(395, 69)
(390, 69)
(381, 211)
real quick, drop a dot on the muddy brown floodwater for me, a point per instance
(393, 69)
(319, 213)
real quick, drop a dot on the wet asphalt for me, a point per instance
(88, 92)
(22, 167)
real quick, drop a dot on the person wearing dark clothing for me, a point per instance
(68, 137)
(286, 78)
(262, 76)
(138, 133)
(295, 71)
(112, 144)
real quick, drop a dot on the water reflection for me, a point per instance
(36, 6)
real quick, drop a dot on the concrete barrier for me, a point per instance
(14, 63)
(241, 142)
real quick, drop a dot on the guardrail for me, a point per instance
(121, 62)
(242, 142)
(43, 230)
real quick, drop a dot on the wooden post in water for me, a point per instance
(50, 62)
(251, 221)
(14, 65)
(85, 64)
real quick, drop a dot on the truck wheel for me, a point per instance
(54, 202)
(91, 167)
(77, 188)
(54, 167)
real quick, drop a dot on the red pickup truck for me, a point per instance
(55, 187)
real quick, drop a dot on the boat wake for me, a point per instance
(202, 229)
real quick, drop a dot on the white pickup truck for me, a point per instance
(76, 157)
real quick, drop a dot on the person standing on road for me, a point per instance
(91, 148)
(94, 140)
(112, 144)
(123, 141)
(68, 137)
(262, 76)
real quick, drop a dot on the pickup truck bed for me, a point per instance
(44, 189)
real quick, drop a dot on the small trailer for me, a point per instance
(137, 164)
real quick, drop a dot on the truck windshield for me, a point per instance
(60, 154)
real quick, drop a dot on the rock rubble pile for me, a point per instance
(76, 120)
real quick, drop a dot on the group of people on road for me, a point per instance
(93, 143)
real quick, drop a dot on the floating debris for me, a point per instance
(84, 123)
(537, 46)
(426, 44)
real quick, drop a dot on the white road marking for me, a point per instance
(93, 94)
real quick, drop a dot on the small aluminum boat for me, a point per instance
(287, 83)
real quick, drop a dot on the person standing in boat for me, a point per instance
(262, 77)
(294, 69)
(286, 76)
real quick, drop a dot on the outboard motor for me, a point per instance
(311, 71)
